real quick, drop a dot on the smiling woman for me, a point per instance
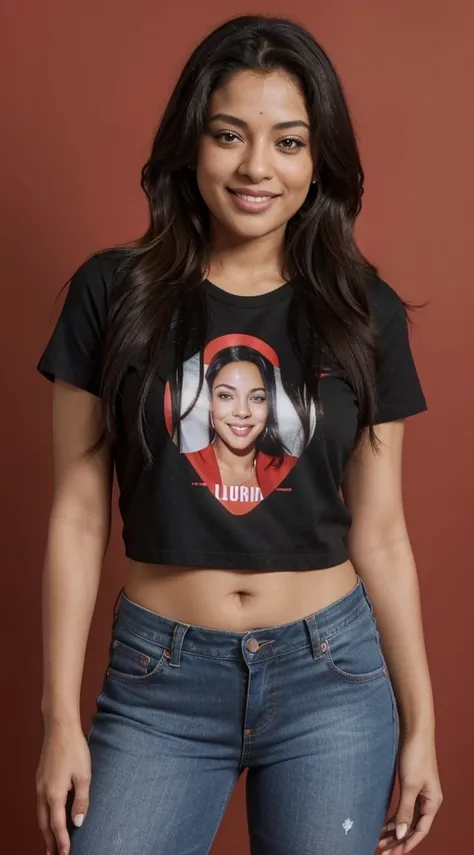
(245, 144)
(248, 373)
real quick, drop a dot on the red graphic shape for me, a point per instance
(236, 339)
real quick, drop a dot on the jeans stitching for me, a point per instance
(150, 637)
(130, 652)
(356, 678)
(98, 700)
(350, 622)
(353, 678)
(395, 720)
(272, 658)
(136, 679)
(266, 724)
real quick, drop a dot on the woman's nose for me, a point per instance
(256, 164)
(241, 409)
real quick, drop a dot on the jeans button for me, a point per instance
(252, 645)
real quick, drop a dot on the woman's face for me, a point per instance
(246, 150)
(239, 407)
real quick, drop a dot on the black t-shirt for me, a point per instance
(247, 478)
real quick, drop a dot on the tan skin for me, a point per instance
(246, 151)
(239, 413)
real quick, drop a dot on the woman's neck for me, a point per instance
(240, 464)
(247, 267)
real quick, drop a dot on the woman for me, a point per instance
(245, 457)
(253, 641)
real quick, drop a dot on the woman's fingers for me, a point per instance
(80, 804)
(421, 830)
(65, 765)
(390, 844)
(408, 810)
(388, 840)
(57, 822)
(43, 822)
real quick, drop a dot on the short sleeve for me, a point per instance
(400, 393)
(74, 351)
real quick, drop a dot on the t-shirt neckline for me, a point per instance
(270, 298)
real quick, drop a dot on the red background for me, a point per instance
(83, 86)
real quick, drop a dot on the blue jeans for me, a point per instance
(306, 707)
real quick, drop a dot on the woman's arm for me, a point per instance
(380, 550)
(78, 535)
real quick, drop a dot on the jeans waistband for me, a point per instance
(264, 643)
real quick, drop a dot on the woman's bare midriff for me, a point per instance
(233, 600)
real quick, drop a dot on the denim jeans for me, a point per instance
(307, 708)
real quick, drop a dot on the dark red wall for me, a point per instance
(84, 83)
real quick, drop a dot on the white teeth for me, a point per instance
(253, 198)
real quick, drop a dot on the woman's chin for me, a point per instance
(239, 445)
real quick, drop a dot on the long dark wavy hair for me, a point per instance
(158, 281)
(269, 441)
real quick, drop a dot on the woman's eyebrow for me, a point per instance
(234, 389)
(280, 126)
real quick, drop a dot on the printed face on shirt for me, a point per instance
(231, 397)
(239, 407)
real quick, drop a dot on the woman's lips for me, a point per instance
(252, 204)
(241, 430)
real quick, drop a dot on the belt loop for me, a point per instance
(314, 636)
(180, 631)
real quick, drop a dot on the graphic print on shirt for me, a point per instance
(241, 431)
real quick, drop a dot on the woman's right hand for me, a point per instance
(64, 762)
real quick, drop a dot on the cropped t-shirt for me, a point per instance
(190, 508)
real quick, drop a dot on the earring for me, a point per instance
(212, 429)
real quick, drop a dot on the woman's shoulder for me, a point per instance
(92, 283)
(106, 264)
(111, 259)
(384, 300)
(99, 269)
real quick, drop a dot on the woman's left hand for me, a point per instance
(420, 796)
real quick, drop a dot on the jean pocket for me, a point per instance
(354, 653)
(134, 658)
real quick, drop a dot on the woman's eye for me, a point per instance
(224, 136)
(259, 399)
(293, 144)
(287, 144)
(224, 396)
